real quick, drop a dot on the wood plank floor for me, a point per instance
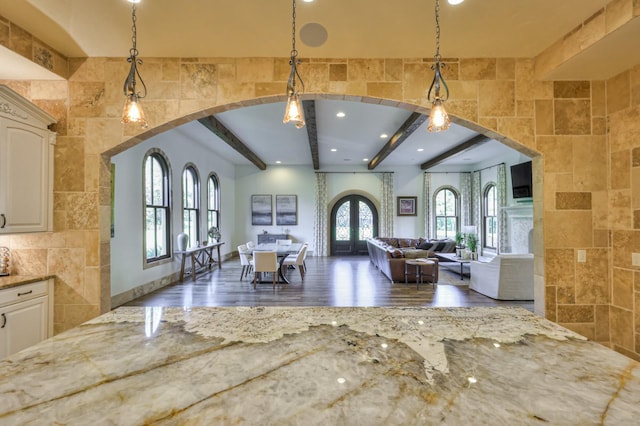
(329, 281)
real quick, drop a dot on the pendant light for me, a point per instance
(133, 112)
(438, 118)
(293, 111)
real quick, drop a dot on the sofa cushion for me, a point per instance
(393, 242)
(406, 242)
(416, 253)
(449, 247)
(395, 253)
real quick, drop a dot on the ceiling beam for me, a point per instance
(232, 140)
(312, 131)
(408, 127)
(464, 146)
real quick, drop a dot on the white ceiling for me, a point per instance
(355, 28)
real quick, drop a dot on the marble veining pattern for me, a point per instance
(319, 366)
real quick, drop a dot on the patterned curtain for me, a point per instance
(501, 187)
(467, 200)
(320, 226)
(476, 203)
(386, 205)
(427, 204)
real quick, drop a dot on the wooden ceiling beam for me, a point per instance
(312, 131)
(408, 127)
(465, 146)
(219, 129)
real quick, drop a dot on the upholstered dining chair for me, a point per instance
(245, 260)
(250, 245)
(283, 242)
(296, 260)
(264, 261)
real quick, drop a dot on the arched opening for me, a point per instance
(354, 218)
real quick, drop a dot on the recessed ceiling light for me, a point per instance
(453, 2)
(420, 149)
(278, 162)
(384, 136)
(365, 159)
(311, 1)
(333, 150)
(341, 115)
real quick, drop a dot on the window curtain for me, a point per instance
(426, 183)
(467, 200)
(476, 203)
(320, 223)
(386, 205)
(501, 188)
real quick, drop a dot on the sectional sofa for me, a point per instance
(389, 255)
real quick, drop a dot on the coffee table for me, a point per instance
(452, 258)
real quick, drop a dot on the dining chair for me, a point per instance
(306, 244)
(245, 260)
(264, 261)
(296, 260)
(250, 245)
(283, 242)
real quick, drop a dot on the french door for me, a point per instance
(354, 218)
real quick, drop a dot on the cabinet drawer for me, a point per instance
(22, 292)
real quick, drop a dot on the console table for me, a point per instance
(271, 238)
(201, 258)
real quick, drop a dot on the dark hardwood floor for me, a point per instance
(329, 281)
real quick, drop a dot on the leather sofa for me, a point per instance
(389, 255)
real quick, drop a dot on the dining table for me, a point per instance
(282, 251)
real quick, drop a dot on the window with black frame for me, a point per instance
(157, 208)
(190, 204)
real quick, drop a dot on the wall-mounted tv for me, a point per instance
(521, 180)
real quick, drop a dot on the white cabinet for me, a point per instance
(26, 165)
(25, 316)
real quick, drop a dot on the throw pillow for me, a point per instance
(425, 245)
(396, 253)
(438, 246)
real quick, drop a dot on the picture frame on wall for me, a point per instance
(407, 206)
(261, 210)
(286, 210)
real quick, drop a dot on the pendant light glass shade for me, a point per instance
(133, 112)
(438, 119)
(293, 111)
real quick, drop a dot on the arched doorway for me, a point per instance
(354, 218)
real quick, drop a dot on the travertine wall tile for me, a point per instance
(571, 228)
(572, 117)
(21, 41)
(622, 288)
(635, 188)
(338, 72)
(544, 117)
(478, 69)
(496, 98)
(558, 153)
(592, 283)
(576, 313)
(385, 90)
(602, 323)
(620, 216)
(68, 165)
(622, 327)
(506, 69)
(198, 81)
(590, 163)
(572, 89)
(415, 83)
(573, 200)
(624, 127)
(619, 92)
(620, 170)
(598, 98)
(366, 69)
(393, 69)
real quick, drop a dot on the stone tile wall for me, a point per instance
(587, 178)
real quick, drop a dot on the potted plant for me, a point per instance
(459, 243)
(472, 242)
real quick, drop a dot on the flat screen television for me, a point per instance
(521, 180)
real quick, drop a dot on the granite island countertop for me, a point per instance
(8, 281)
(319, 366)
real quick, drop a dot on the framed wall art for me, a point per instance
(261, 210)
(286, 209)
(407, 206)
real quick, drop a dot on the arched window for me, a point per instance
(490, 213)
(157, 212)
(213, 202)
(190, 204)
(446, 212)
